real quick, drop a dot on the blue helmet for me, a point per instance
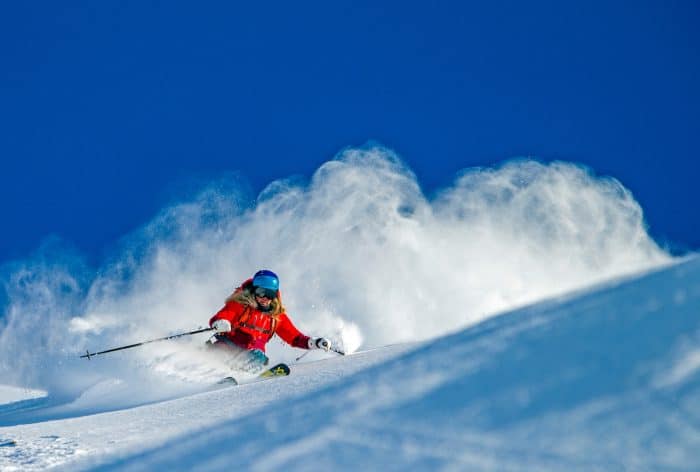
(266, 279)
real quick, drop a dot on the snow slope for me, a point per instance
(606, 379)
(10, 394)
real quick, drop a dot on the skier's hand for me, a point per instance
(222, 326)
(320, 343)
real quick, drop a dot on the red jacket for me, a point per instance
(252, 330)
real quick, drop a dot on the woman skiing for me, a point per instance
(251, 316)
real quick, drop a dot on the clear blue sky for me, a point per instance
(108, 107)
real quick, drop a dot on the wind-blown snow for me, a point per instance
(603, 379)
(365, 258)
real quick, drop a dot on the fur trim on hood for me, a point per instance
(245, 296)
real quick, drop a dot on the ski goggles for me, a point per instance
(263, 292)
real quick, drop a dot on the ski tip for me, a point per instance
(282, 369)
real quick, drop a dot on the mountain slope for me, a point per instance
(602, 380)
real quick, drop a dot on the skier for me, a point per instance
(253, 313)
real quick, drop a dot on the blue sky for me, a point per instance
(109, 110)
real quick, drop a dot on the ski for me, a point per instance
(279, 370)
(227, 381)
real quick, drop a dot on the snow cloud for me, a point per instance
(363, 255)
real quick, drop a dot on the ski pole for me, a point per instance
(89, 354)
(302, 356)
(332, 349)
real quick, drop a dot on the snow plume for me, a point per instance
(43, 293)
(364, 257)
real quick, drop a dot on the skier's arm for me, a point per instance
(290, 334)
(229, 312)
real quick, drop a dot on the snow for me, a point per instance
(508, 321)
(10, 394)
(602, 379)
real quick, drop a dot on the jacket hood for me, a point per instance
(244, 296)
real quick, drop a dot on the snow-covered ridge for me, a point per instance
(602, 380)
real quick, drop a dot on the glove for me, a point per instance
(320, 343)
(222, 326)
